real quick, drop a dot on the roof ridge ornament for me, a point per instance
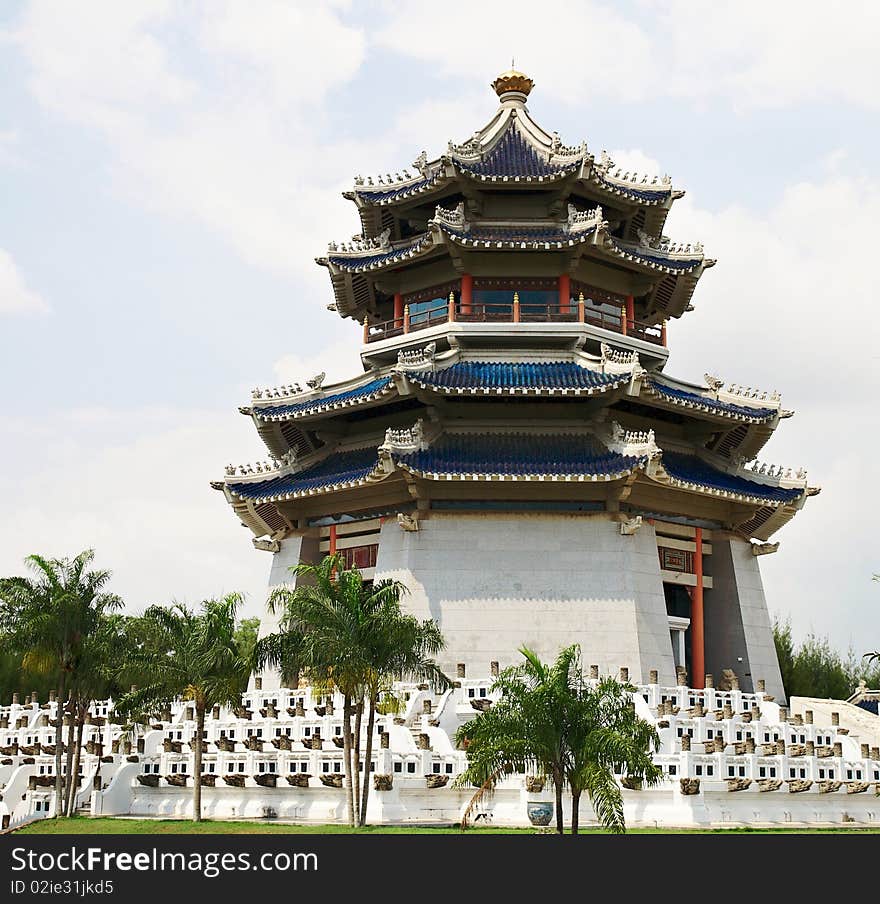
(404, 440)
(578, 220)
(417, 358)
(774, 474)
(513, 82)
(634, 443)
(616, 360)
(455, 219)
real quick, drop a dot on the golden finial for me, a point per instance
(513, 81)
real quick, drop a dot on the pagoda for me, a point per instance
(513, 449)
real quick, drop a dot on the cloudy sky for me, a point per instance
(168, 172)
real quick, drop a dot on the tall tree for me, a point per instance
(193, 656)
(94, 679)
(605, 737)
(47, 617)
(574, 731)
(348, 635)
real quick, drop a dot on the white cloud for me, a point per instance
(339, 361)
(212, 112)
(15, 296)
(789, 306)
(750, 55)
(134, 485)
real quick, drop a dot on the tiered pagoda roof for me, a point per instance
(458, 406)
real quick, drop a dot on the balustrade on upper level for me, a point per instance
(512, 301)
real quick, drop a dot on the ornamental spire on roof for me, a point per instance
(512, 82)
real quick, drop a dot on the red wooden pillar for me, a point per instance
(564, 294)
(467, 292)
(630, 312)
(663, 334)
(698, 646)
(332, 550)
(398, 309)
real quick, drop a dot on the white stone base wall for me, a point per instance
(496, 582)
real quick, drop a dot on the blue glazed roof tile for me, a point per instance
(693, 470)
(517, 377)
(653, 256)
(514, 156)
(519, 454)
(375, 194)
(322, 403)
(728, 409)
(338, 468)
(370, 257)
(639, 194)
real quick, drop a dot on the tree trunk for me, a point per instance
(59, 735)
(346, 750)
(575, 811)
(80, 727)
(70, 785)
(197, 767)
(560, 817)
(356, 788)
(368, 754)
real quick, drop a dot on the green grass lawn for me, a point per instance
(122, 826)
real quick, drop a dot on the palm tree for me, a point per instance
(551, 717)
(525, 728)
(93, 680)
(195, 657)
(345, 634)
(400, 648)
(48, 617)
(604, 737)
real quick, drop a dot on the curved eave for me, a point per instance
(654, 261)
(537, 180)
(549, 477)
(505, 379)
(369, 260)
(712, 408)
(732, 495)
(372, 196)
(632, 193)
(557, 241)
(318, 407)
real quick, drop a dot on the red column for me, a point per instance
(398, 309)
(663, 334)
(564, 294)
(467, 292)
(630, 311)
(698, 649)
(332, 550)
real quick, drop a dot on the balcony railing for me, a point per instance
(576, 311)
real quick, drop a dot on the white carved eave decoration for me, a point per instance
(772, 475)
(361, 244)
(632, 443)
(453, 219)
(292, 391)
(619, 361)
(417, 358)
(585, 220)
(262, 470)
(710, 395)
(404, 441)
